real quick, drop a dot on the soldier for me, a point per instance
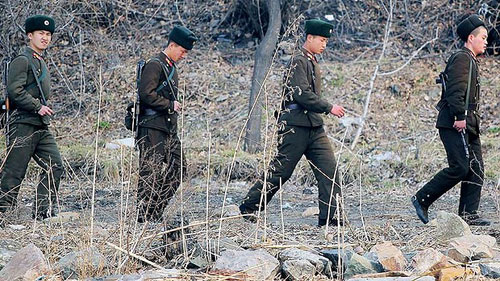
(301, 130)
(458, 124)
(159, 145)
(28, 87)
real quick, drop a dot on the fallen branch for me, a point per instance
(141, 258)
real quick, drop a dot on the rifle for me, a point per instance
(6, 103)
(137, 106)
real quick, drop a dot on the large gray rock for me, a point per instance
(373, 258)
(90, 260)
(336, 257)
(357, 264)
(298, 270)
(8, 249)
(389, 256)
(471, 247)
(27, 264)
(204, 253)
(451, 226)
(491, 270)
(413, 278)
(321, 264)
(429, 258)
(259, 264)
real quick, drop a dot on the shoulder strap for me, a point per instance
(42, 75)
(168, 74)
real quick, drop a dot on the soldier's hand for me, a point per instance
(45, 110)
(460, 125)
(337, 110)
(177, 106)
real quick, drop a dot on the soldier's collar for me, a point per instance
(34, 53)
(168, 60)
(309, 55)
(470, 53)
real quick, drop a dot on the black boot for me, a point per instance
(475, 219)
(248, 215)
(422, 211)
(331, 222)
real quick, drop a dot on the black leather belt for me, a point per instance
(294, 106)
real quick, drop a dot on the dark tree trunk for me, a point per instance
(263, 61)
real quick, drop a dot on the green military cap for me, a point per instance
(319, 27)
(39, 22)
(182, 36)
(466, 26)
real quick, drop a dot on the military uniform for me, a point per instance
(29, 135)
(465, 160)
(158, 140)
(468, 171)
(301, 133)
(159, 145)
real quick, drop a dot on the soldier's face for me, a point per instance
(176, 52)
(317, 44)
(40, 39)
(479, 41)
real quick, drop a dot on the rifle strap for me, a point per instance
(468, 87)
(168, 74)
(34, 84)
(37, 79)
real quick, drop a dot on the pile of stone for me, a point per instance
(466, 255)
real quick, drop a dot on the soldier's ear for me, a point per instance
(470, 38)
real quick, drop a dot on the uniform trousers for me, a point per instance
(293, 142)
(28, 141)
(159, 172)
(468, 171)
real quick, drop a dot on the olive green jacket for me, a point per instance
(163, 101)
(22, 89)
(457, 71)
(303, 87)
